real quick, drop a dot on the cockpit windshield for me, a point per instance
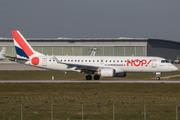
(165, 61)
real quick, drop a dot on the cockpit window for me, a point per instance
(165, 61)
(168, 61)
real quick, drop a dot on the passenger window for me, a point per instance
(85, 60)
(89, 60)
(68, 60)
(81, 60)
(97, 60)
(78, 60)
(71, 60)
(106, 60)
(117, 60)
(64, 60)
(109, 60)
(75, 60)
(113, 60)
(93, 60)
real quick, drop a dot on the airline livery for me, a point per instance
(104, 66)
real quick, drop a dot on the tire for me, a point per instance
(157, 78)
(88, 77)
(96, 77)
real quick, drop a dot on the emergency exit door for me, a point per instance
(154, 63)
(44, 62)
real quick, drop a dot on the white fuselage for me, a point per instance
(119, 64)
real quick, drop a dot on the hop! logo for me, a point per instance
(138, 62)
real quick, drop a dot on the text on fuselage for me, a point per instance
(138, 62)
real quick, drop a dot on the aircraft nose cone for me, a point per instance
(174, 68)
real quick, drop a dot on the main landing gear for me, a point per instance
(89, 77)
(158, 75)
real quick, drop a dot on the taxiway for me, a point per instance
(92, 81)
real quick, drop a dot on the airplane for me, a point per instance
(2, 53)
(104, 66)
(93, 52)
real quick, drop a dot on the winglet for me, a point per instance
(58, 60)
(2, 54)
(3, 51)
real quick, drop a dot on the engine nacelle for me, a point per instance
(107, 73)
(123, 74)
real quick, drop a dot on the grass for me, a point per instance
(97, 98)
(47, 75)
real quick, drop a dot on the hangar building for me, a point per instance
(105, 46)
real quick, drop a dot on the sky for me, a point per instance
(92, 18)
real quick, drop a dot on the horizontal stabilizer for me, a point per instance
(15, 58)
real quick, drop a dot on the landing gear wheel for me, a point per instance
(96, 77)
(157, 78)
(88, 77)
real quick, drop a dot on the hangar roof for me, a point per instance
(76, 39)
(87, 39)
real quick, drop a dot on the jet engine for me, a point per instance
(123, 74)
(107, 73)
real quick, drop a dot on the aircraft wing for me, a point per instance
(80, 66)
(84, 67)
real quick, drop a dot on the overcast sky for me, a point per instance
(91, 18)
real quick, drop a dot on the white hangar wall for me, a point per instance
(83, 46)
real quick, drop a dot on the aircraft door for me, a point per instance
(44, 62)
(153, 63)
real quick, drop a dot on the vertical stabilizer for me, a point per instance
(23, 49)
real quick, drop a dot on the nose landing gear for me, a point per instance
(89, 77)
(158, 75)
